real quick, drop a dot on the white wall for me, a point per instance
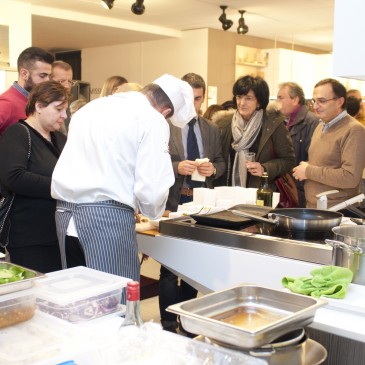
(349, 29)
(144, 62)
(17, 16)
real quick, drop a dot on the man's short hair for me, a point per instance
(31, 55)
(195, 81)
(158, 98)
(353, 105)
(61, 64)
(294, 90)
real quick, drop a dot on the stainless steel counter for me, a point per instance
(317, 253)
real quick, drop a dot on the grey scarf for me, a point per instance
(244, 135)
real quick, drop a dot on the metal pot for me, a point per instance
(349, 250)
(299, 219)
(294, 348)
(287, 349)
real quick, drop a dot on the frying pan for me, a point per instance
(299, 219)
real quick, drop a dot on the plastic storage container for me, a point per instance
(43, 340)
(80, 294)
(16, 307)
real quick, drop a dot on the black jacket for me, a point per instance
(32, 215)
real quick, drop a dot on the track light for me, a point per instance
(107, 4)
(226, 23)
(138, 8)
(242, 27)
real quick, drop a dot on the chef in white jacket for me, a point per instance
(115, 161)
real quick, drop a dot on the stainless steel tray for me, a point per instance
(258, 315)
(26, 283)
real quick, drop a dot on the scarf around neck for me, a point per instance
(244, 135)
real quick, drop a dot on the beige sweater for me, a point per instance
(336, 162)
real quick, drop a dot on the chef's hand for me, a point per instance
(206, 169)
(255, 168)
(187, 167)
(299, 171)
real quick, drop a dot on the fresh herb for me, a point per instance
(15, 273)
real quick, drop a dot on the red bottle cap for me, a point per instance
(133, 291)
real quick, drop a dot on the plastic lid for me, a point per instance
(70, 285)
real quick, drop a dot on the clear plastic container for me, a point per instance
(43, 340)
(80, 294)
(16, 307)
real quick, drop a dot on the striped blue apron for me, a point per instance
(106, 231)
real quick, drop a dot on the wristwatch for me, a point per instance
(214, 172)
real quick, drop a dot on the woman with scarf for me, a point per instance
(253, 129)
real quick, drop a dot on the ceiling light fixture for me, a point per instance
(226, 23)
(107, 4)
(242, 27)
(138, 8)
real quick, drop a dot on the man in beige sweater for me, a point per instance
(336, 156)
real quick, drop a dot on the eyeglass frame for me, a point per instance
(323, 101)
(69, 82)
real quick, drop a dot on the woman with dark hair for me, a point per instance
(253, 129)
(32, 237)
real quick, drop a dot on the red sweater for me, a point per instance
(12, 108)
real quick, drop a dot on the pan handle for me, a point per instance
(339, 244)
(254, 217)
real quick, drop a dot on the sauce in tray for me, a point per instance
(249, 317)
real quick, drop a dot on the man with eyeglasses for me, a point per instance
(62, 73)
(34, 67)
(336, 154)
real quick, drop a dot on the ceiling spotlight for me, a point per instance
(226, 23)
(138, 8)
(242, 27)
(107, 4)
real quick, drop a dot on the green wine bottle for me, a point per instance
(264, 193)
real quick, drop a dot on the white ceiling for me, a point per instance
(77, 24)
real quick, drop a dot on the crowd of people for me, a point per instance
(79, 171)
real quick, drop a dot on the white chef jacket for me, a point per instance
(117, 149)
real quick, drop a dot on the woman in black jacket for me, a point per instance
(32, 236)
(253, 129)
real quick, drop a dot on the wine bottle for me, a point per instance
(264, 193)
(133, 309)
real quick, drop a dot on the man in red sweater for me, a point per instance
(34, 67)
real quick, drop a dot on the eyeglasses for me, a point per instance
(67, 82)
(322, 101)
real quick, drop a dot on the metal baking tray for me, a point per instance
(26, 283)
(247, 316)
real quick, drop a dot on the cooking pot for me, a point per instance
(294, 348)
(299, 219)
(349, 250)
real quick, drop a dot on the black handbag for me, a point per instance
(6, 203)
(286, 187)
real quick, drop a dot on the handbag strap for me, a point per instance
(29, 140)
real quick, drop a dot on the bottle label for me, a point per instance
(260, 202)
